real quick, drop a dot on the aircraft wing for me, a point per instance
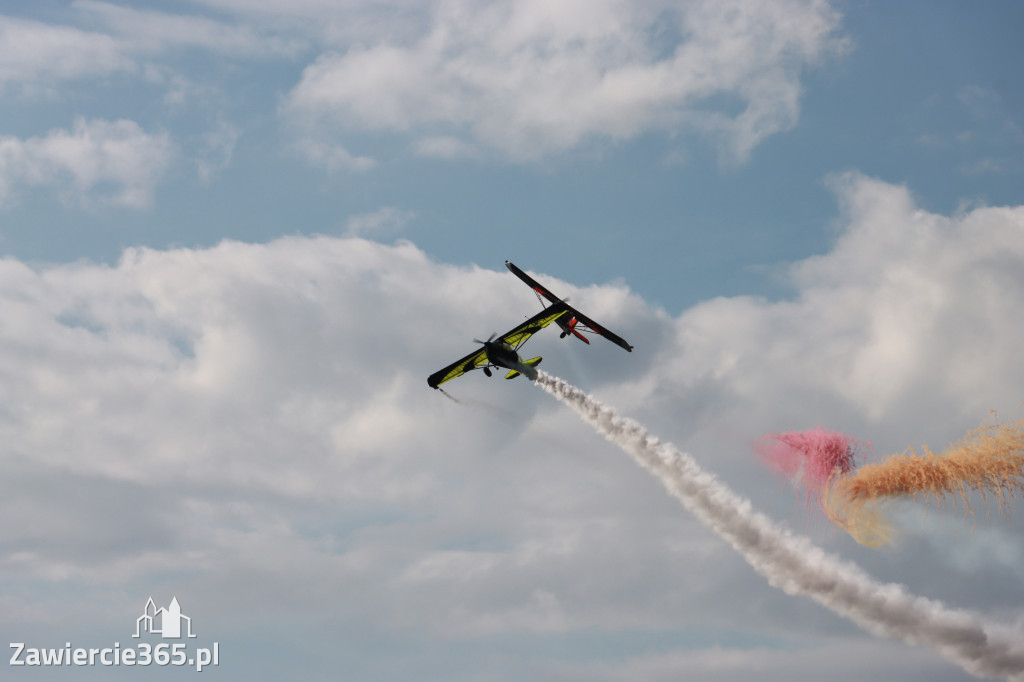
(518, 336)
(532, 283)
(590, 325)
(596, 328)
(515, 338)
(475, 359)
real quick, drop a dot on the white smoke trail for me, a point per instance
(502, 414)
(797, 566)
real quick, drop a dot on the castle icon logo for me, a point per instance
(164, 622)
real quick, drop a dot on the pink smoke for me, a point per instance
(811, 457)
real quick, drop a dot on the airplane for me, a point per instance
(572, 325)
(503, 350)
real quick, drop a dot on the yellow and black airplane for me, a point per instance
(503, 351)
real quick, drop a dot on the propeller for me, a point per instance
(487, 369)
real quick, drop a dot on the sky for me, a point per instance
(238, 235)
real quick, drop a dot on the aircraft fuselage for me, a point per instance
(502, 355)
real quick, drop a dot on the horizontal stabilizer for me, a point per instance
(528, 368)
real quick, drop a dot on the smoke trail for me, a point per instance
(794, 564)
(502, 414)
(812, 457)
(988, 460)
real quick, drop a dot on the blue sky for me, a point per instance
(239, 234)
(920, 94)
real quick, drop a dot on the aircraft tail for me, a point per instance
(528, 369)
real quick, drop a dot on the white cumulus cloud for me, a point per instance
(384, 220)
(113, 162)
(144, 31)
(532, 78)
(910, 313)
(256, 418)
(31, 51)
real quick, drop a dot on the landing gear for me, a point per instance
(487, 371)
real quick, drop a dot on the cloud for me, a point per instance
(923, 286)
(990, 165)
(218, 146)
(826, 660)
(981, 133)
(523, 80)
(332, 156)
(909, 312)
(443, 147)
(387, 219)
(119, 39)
(531, 79)
(112, 162)
(269, 403)
(31, 51)
(982, 103)
(332, 21)
(142, 31)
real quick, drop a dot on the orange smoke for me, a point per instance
(988, 460)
